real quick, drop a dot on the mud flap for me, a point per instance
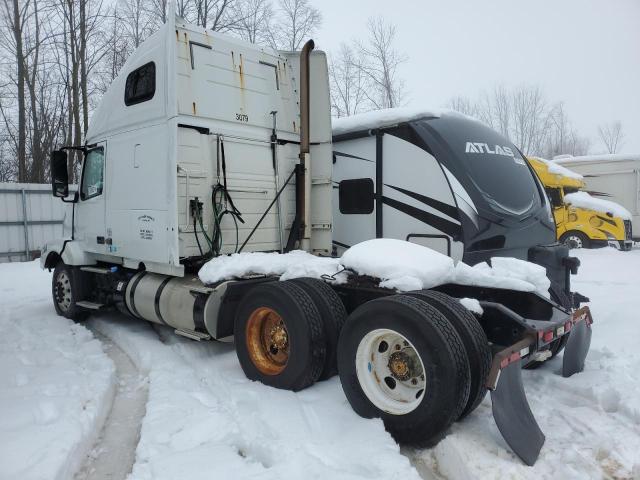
(577, 348)
(513, 416)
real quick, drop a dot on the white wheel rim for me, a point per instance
(390, 391)
(575, 241)
(63, 291)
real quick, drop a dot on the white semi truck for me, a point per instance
(206, 145)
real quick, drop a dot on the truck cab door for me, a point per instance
(90, 210)
(559, 209)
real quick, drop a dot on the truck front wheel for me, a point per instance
(575, 239)
(67, 290)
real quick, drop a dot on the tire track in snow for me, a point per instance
(427, 468)
(113, 454)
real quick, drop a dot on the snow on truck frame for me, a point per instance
(206, 145)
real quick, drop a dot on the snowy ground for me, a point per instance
(203, 419)
(56, 383)
(591, 420)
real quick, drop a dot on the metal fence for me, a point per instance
(29, 216)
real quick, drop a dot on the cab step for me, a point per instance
(89, 305)
(193, 335)
(101, 270)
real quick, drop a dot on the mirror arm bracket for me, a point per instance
(74, 199)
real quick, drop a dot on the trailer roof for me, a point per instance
(386, 117)
(607, 157)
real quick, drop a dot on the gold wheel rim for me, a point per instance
(267, 340)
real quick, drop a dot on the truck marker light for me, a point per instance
(514, 357)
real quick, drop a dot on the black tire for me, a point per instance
(440, 349)
(472, 336)
(67, 288)
(568, 239)
(306, 342)
(333, 316)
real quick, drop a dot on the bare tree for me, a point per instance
(612, 136)
(255, 18)
(347, 82)
(562, 139)
(137, 21)
(16, 16)
(297, 20)
(524, 115)
(158, 11)
(463, 105)
(31, 66)
(530, 118)
(380, 62)
(218, 15)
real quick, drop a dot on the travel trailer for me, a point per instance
(206, 145)
(614, 177)
(445, 181)
(582, 221)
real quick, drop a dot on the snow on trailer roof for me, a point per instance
(400, 265)
(608, 157)
(382, 118)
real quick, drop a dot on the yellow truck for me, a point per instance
(582, 221)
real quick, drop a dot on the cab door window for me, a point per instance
(555, 196)
(93, 174)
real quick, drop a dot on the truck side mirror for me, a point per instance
(59, 174)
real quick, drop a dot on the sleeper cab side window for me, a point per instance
(355, 196)
(140, 85)
(93, 174)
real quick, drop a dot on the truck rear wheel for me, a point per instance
(472, 336)
(400, 360)
(279, 336)
(333, 316)
(67, 290)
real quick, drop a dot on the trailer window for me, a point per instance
(93, 174)
(140, 85)
(355, 196)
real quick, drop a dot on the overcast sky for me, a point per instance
(585, 53)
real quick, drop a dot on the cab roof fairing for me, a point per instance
(105, 119)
